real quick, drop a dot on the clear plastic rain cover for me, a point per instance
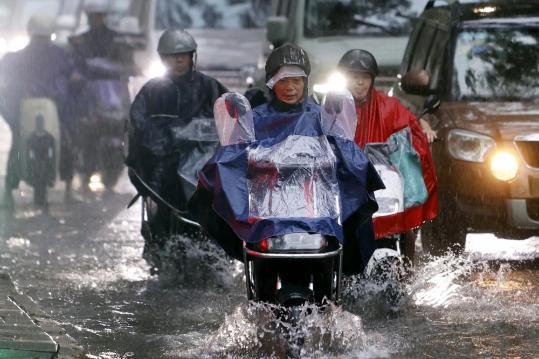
(234, 119)
(399, 166)
(199, 129)
(295, 178)
(339, 117)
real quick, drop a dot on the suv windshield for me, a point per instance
(212, 14)
(360, 17)
(497, 63)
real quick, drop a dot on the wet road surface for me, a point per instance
(82, 263)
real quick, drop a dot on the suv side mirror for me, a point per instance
(416, 82)
(277, 30)
(431, 105)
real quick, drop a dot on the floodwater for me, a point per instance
(82, 263)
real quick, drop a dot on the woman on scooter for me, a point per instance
(290, 113)
(378, 117)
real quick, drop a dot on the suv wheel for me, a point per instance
(446, 232)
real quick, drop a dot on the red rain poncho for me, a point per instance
(378, 118)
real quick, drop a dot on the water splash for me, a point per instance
(258, 330)
(438, 282)
(198, 261)
(18, 243)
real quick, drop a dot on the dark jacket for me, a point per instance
(41, 69)
(100, 43)
(162, 105)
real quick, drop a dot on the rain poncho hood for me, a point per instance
(228, 178)
(379, 118)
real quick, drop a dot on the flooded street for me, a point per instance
(82, 263)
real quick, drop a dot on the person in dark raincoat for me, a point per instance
(162, 104)
(289, 112)
(41, 69)
(100, 54)
(378, 117)
(99, 41)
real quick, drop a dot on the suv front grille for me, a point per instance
(533, 208)
(530, 152)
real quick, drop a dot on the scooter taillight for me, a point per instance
(264, 245)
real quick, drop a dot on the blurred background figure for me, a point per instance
(100, 41)
(40, 70)
(105, 61)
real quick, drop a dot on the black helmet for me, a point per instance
(176, 41)
(287, 55)
(359, 60)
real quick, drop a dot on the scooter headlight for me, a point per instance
(336, 82)
(156, 69)
(295, 242)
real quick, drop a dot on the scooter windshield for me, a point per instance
(339, 117)
(295, 178)
(196, 143)
(234, 119)
(198, 129)
(399, 166)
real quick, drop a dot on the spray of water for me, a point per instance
(260, 330)
(198, 261)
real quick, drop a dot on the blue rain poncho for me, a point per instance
(291, 177)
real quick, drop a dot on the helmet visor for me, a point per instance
(285, 72)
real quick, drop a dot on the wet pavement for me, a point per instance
(82, 264)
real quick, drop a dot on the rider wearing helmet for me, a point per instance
(41, 69)
(378, 117)
(182, 94)
(100, 41)
(288, 113)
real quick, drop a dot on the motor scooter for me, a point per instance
(284, 199)
(38, 145)
(177, 150)
(103, 126)
(399, 167)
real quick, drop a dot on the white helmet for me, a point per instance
(96, 6)
(40, 25)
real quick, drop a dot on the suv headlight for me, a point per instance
(469, 146)
(504, 166)
(294, 242)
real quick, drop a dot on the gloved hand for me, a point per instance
(235, 105)
(333, 103)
